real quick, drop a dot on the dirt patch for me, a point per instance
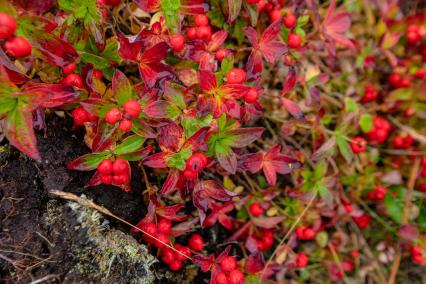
(30, 248)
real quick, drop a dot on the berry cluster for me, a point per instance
(132, 109)
(202, 30)
(81, 116)
(229, 274)
(305, 233)
(417, 255)
(380, 130)
(378, 193)
(404, 141)
(358, 144)
(265, 240)
(370, 94)
(116, 172)
(16, 46)
(415, 33)
(194, 165)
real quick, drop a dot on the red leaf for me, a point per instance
(290, 82)
(157, 109)
(14, 74)
(234, 7)
(255, 263)
(204, 262)
(36, 6)
(245, 136)
(154, 54)
(293, 109)
(254, 66)
(329, 144)
(207, 62)
(170, 184)
(268, 222)
(149, 6)
(228, 161)
(170, 137)
(274, 162)
(141, 128)
(128, 49)
(156, 161)
(335, 24)
(197, 142)
(218, 38)
(184, 227)
(251, 162)
(207, 80)
(20, 133)
(170, 212)
(53, 94)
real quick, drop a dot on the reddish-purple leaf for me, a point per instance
(203, 262)
(137, 155)
(251, 162)
(197, 141)
(36, 6)
(14, 74)
(234, 7)
(243, 137)
(290, 82)
(149, 6)
(20, 133)
(170, 212)
(143, 129)
(53, 94)
(218, 38)
(104, 137)
(207, 80)
(255, 263)
(157, 160)
(293, 109)
(228, 161)
(170, 137)
(329, 144)
(268, 222)
(157, 109)
(184, 227)
(170, 184)
(128, 49)
(254, 66)
(335, 24)
(121, 87)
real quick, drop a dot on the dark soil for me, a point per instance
(28, 251)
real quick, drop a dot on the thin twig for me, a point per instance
(405, 215)
(93, 205)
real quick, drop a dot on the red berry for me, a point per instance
(294, 40)
(191, 33)
(358, 144)
(125, 125)
(96, 73)
(105, 167)
(196, 242)
(362, 221)
(221, 54)
(413, 37)
(132, 108)
(204, 32)
(18, 47)
(111, 2)
(189, 174)
(201, 20)
(80, 116)
(177, 42)
(221, 278)
(151, 229)
(120, 178)
(164, 226)
(370, 94)
(160, 239)
(167, 255)
(196, 162)
(120, 166)
(68, 69)
(251, 96)
(236, 277)
(7, 26)
(106, 179)
(290, 21)
(236, 76)
(275, 15)
(255, 209)
(301, 260)
(113, 115)
(228, 263)
(253, 1)
(184, 251)
(73, 80)
(309, 234)
(175, 265)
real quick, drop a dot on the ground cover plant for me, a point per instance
(271, 140)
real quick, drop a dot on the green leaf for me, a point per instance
(227, 65)
(191, 125)
(394, 203)
(351, 105)
(130, 144)
(171, 13)
(178, 160)
(301, 21)
(216, 17)
(344, 147)
(401, 94)
(7, 104)
(366, 122)
(85, 10)
(89, 162)
(238, 31)
(234, 7)
(300, 31)
(122, 88)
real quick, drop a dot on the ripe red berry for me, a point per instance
(204, 32)
(160, 240)
(253, 1)
(68, 69)
(167, 255)
(236, 277)
(362, 221)
(120, 166)
(294, 40)
(73, 80)
(236, 76)
(196, 242)
(275, 15)
(132, 108)
(105, 167)
(191, 33)
(251, 96)
(370, 94)
(420, 73)
(120, 179)
(18, 47)
(106, 179)
(7, 26)
(125, 125)
(189, 174)
(196, 162)
(201, 20)
(301, 260)
(111, 2)
(177, 42)
(221, 278)
(395, 80)
(97, 74)
(175, 265)
(290, 21)
(113, 116)
(221, 54)
(255, 209)
(164, 226)
(80, 116)
(184, 251)
(358, 144)
(228, 263)
(151, 229)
